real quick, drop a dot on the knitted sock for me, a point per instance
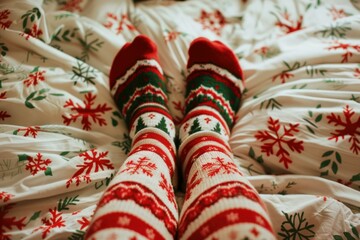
(219, 203)
(140, 202)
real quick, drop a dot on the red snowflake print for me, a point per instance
(34, 31)
(86, 113)
(118, 24)
(168, 188)
(5, 196)
(93, 162)
(9, 223)
(337, 13)
(3, 95)
(4, 114)
(143, 164)
(194, 181)
(54, 221)
(357, 73)
(36, 164)
(273, 138)
(347, 47)
(5, 22)
(286, 24)
(84, 222)
(214, 21)
(172, 35)
(35, 77)
(30, 131)
(350, 126)
(72, 6)
(219, 166)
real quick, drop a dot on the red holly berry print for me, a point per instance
(347, 47)
(219, 166)
(143, 164)
(5, 22)
(283, 141)
(94, 161)
(5, 196)
(34, 77)
(288, 25)
(36, 164)
(118, 24)
(72, 6)
(29, 131)
(9, 223)
(54, 221)
(194, 181)
(350, 127)
(85, 112)
(168, 188)
(214, 21)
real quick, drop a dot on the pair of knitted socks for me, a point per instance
(140, 203)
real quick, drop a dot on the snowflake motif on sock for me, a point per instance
(142, 164)
(219, 166)
(349, 128)
(168, 188)
(194, 181)
(94, 161)
(273, 138)
(54, 221)
(36, 164)
(9, 223)
(86, 112)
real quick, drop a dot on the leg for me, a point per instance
(140, 201)
(219, 202)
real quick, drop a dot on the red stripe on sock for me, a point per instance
(213, 195)
(228, 218)
(145, 198)
(157, 150)
(198, 112)
(155, 136)
(131, 222)
(148, 109)
(194, 142)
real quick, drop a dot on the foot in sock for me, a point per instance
(140, 202)
(220, 202)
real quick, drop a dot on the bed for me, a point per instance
(296, 137)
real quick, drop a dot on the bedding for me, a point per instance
(296, 137)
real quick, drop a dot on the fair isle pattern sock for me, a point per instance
(140, 203)
(138, 86)
(219, 203)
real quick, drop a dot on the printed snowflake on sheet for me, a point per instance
(94, 161)
(350, 127)
(35, 77)
(36, 164)
(214, 21)
(118, 24)
(9, 223)
(5, 22)
(86, 112)
(274, 139)
(53, 220)
(5, 196)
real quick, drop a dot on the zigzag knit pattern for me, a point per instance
(219, 203)
(140, 203)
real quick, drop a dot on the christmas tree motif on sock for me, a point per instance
(220, 203)
(140, 202)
